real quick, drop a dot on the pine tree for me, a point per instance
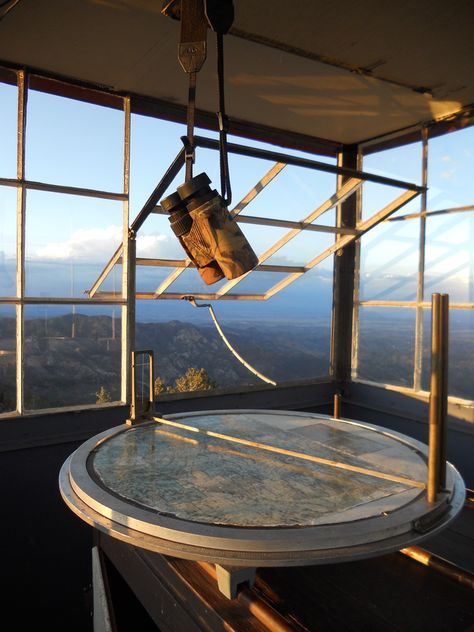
(159, 386)
(103, 396)
(193, 380)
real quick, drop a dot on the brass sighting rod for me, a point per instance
(337, 406)
(438, 403)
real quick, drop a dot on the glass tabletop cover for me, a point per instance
(188, 474)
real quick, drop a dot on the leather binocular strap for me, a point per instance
(190, 117)
(196, 15)
(220, 15)
(192, 54)
(226, 191)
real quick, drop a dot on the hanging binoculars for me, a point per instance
(208, 233)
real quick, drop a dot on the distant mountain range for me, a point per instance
(307, 298)
(69, 357)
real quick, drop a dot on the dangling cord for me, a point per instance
(192, 300)
(226, 191)
(188, 140)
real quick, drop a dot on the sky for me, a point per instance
(70, 238)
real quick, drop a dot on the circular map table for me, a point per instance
(258, 488)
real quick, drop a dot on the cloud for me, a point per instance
(448, 174)
(156, 245)
(450, 171)
(98, 244)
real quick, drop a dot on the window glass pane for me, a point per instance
(74, 143)
(303, 248)
(156, 240)
(262, 238)
(450, 169)
(72, 355)
(292, 195)
(155, 144)
(386, 345)
(449, 266)
(284, 338)
(69, 240)
(7, 241)
(7, 358)
(148, 278)
(258, 282)
(8, 130)
(245, 174)
(112, 283)
(189, 281)
(376, 197)
(389, 261)
(159, 311)
(400, 163)
(461, 353)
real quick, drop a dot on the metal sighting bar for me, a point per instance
(144, 412)
(344, 236)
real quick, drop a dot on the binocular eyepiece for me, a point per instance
(196, 191)
(208, 233)
(179, 218)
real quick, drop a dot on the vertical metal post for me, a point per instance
(20, 240)
(337, 406)
(128, 268)
(133, 389)
(444, 330)
(151, 384)
(128, 327)
(356, 295)
(343, 281)
(418, 359)
(438, 396)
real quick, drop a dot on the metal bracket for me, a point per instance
(142, 409)
(223, 122)
(192, 55)
(189, 150)
(429, 521)
(229, 578)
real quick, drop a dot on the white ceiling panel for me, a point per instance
(345, 71)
